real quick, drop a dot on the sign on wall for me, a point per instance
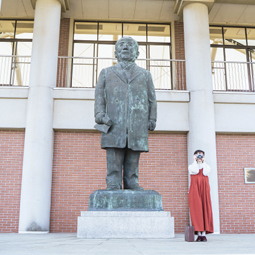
(249, 175)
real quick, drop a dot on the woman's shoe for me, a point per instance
(204, 239)
(199, 239)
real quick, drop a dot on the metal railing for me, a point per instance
(166, 74)
(14, 70)
(233, 76)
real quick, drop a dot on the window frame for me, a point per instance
(15, 42)
(98, 42)
(246, 47)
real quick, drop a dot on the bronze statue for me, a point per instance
(125, 109)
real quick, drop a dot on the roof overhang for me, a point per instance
(243, 2)
(64, 4)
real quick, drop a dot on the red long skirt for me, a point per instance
(200, 203)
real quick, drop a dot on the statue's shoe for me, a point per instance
(113, 187)
(136, 187)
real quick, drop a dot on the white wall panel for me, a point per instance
(237, 118)
(74, 109)
(13, 106)
(172, 116)
(234, 112)
(13, 113)
(73, 114)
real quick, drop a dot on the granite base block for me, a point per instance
(125, 224)
(125, 200)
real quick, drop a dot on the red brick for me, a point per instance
(236, 198)
(11, 158)
(63, 51)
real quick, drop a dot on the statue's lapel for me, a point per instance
(135, 71)
(118, 71)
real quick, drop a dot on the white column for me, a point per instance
(38, 152)
(199, 83)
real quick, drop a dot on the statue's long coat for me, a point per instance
(130, 103)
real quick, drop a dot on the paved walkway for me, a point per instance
(56, 244)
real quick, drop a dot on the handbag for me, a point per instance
(189, 234)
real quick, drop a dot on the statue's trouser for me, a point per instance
(129, 160)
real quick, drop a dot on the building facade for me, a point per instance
(201, 56)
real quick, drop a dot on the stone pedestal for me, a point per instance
(125, 224)
(125, 200)
(125, 214)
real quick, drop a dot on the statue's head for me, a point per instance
(126, 49)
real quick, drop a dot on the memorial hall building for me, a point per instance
(201, 54)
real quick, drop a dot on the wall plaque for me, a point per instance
(249, 175)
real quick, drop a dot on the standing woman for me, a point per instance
(199, 197)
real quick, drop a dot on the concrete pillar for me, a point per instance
(38, 152)
(199, 83)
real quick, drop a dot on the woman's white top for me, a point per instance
(194, 168)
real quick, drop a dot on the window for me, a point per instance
(94, 46)
(233, 58)
(15, 50)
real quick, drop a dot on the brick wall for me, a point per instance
(79, 168)
(179, 40)
(180, 54)
(63, 51)
(237, 200)
(11, 158)
(64, 37)
(77, 154)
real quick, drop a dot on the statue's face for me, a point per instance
(126, 50)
